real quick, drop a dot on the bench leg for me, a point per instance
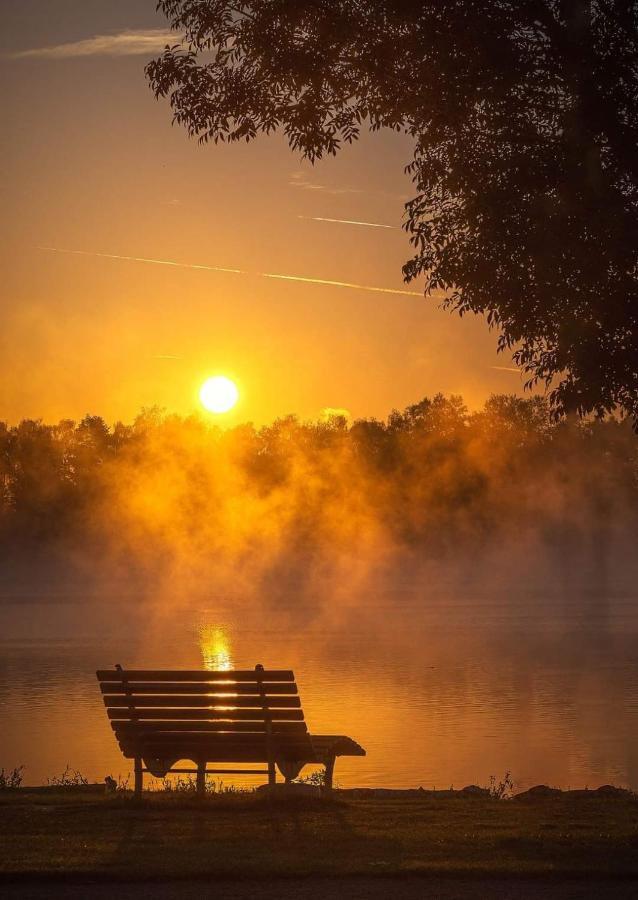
(201, 779)
(272, 774)
(139, 777)
(289, 769)
(329, 772)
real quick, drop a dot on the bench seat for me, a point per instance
(241, 716)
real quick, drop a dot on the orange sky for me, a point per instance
(92, 163)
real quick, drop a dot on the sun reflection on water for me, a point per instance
(214, 644)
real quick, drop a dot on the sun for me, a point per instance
(218, 394)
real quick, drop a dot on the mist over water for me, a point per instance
(454, 591)
(438, 688)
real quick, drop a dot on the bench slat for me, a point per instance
(208, 727)
(179, 687)
(254, 755)
(237, 715)
(225, 740)
(166, 745)
(119, 675)
(216, 752)
(208, 702)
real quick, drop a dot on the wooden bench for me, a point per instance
(248, 716)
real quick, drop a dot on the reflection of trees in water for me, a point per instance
(562, 701)
(473, 679)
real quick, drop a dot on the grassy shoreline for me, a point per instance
(73, 834)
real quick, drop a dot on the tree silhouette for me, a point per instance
(524, 115)
(434, 478)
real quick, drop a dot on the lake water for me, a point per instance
(441, 690)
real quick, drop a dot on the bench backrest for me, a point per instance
(235, 702)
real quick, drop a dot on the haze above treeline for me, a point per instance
(182, 497)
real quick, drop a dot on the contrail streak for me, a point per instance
(506, 369)
(343, 284)
(346, 222)
(144, 259)
(279, 277)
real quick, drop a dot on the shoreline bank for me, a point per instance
(58, 834)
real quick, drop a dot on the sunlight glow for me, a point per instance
(218, 394)
(215, 648)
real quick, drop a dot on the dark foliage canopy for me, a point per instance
(524, 115)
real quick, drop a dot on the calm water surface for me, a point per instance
(440, 691)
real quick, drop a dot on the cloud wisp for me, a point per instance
(300, 180)
(272, 275)
(347, 222)
(125, 43)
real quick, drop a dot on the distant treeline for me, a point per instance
(434, 476)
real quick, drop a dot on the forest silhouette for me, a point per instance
(436, 481)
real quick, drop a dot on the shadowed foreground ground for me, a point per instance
(410, 887)
(55, 843)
